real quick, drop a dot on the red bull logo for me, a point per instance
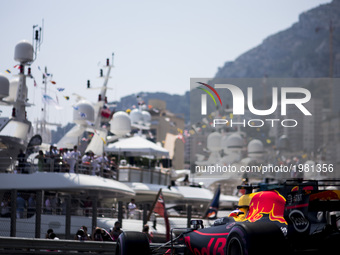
(326, 195)
(216, 246)
(269, 203)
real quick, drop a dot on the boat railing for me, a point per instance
(123, 173)
(102, 212)
(154, 175)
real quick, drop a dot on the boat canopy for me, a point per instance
(65, 182)
(147, 190)
(137, 146)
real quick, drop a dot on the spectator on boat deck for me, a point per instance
(86, 158)
(186, 180)
(31, 205)
(5, 208)
(59, 163)
(73, 158)
(41, 161)
(21, 161)
(50, 159)
(65, 158)
(113, 163)
(50, 152)
(116, 231)
(94, 163)
(87, 205)
(132, 208)
(54, 203)
(48, 205)
(146, 231)
(21, 204)
(103, 159)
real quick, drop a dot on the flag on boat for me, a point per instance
(105, 113)
(211, 213)
(50, 101)
(159, 207)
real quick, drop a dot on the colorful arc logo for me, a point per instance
(204, 97)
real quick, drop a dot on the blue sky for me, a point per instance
(158, 45)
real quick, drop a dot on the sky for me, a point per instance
(157, 45)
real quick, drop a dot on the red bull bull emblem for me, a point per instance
(269, 203)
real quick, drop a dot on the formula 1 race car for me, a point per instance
(297, 217)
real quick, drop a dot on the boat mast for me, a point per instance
(102, 99)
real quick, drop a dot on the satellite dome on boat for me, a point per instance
(214, 141)
(146, 117)
(120, 123)
(23, 52)
(83, 112)
(233, 141)
(255, 146)
(4, 86)
(136, 116)
(283, 143)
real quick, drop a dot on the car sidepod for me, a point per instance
(205, 241)
(237, 238)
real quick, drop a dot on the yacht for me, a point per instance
(140, 180)
(14, 131)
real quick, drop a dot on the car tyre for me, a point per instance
(255, 238)
(132, 243)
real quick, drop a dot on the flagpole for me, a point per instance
(154, 204)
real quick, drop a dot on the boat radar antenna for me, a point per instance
(102, 99)
(25, 53)
(37, 38)
(99, 140)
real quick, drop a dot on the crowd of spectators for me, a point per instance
(70, 160)
(100, 234)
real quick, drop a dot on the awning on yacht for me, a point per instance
(137, 146)
(195, 194)
(148, 192)
(65, 182)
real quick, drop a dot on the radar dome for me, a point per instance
(23, 52)
(120, 123)
(136, 116)
(283, 143)
(146, 117)
(255, 146)
(83, 112)
(233, 141)
(214, 141)
(4, 86)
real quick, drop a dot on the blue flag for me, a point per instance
(211, 213)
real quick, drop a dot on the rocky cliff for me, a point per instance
(303, 50)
